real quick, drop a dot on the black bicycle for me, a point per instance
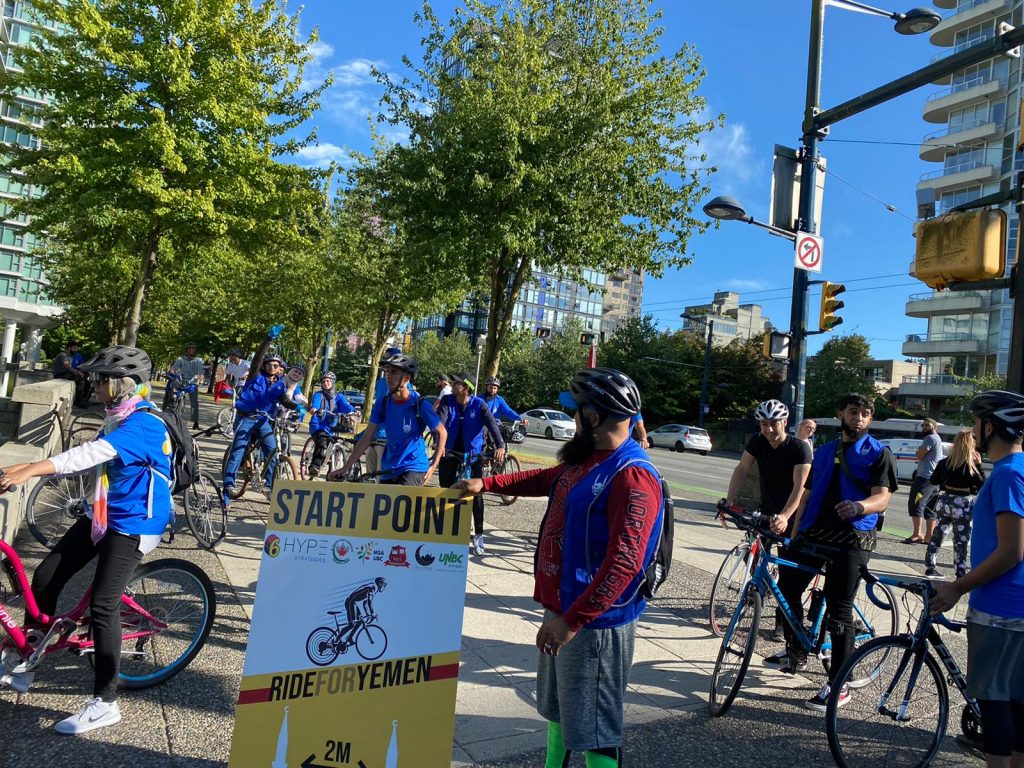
(324, 644)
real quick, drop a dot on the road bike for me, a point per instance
(900, 717)
(740, 636)
(335, 454)
(167, 611)
(513, 432)
(324, 644)
(507, 466)
(253, 465)
(226, 417)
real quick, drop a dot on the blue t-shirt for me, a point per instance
(405, 450)
(1003, 492)
(141, 442)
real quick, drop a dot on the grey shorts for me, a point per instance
(583, 687)
(995, 663)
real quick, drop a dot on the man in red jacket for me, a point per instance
(601, 529)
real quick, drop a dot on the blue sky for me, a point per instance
(755, 54)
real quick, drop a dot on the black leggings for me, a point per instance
(1002, 727)
(118, 557)
(841, 584)
(447, 474)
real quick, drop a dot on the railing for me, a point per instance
(949, 170)
(966, 84)
(923, 337)
(961, 46)
(929, 295)
(963, 5)
(950, 131)
(935, 378)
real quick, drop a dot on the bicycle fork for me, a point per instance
(916, 653)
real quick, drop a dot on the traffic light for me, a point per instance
(827, 320)
(543, 332)
(960, 247)
(586, 338)
(776, 345)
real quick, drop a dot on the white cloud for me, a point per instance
(745, 285)
(729, 149)
(356, 73)
(321, 155)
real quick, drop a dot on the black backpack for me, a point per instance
(185, 453)
(656, 572)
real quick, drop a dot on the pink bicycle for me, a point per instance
(167, 611)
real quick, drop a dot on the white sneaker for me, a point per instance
(18, 681)
(478, 545)
(95, 714)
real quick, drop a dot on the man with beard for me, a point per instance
(602, 527)
(921, 490)
(851, 482)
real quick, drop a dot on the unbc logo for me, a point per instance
(451, 558)
(342, 551)
(272, 546)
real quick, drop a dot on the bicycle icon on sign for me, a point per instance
(360, 629)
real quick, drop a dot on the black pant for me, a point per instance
(320, 442)
(841, 583)
(118, 557)
(405, 478)
(447, 474)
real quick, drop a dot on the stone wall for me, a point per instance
(10, 412)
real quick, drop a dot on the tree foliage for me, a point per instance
(834, 372)
(435, 356)
(534, 372)
(545, 134)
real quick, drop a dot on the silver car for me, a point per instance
(550, 424)
(680, 437)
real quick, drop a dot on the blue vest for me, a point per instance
(859, 458)
(259, 395)
(472, 423)
(585, 540)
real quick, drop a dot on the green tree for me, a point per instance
(559, 138)
(435, 356)
(956, 408)
(535, 372)
(834, 372)
(161, 136)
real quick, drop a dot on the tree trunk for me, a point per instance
(503, 301)
(129, 333)
(386, 324)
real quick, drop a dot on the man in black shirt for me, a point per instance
(783, 463)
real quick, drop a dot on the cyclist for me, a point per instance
(132, 507)
(639, 431)
(995, 617)
(186, 367)
(405, 415)
(444, 388)
(852, 480)
(359, 604)
(293, 388)
(254, 406)
(783, 464)
(64, 368)
(497, 404)
(466, 417)
(601, 528)
(237, 368)
(325, 407)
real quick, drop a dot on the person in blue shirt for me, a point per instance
(131, 459)
(255, 405)
(497, 405)
(325, 408)
(405, 415)
(995, 617)
(638, 430)
(466, 417)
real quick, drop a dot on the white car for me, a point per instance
(680, 437)
(550, 424)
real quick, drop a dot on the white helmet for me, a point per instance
(771, 410)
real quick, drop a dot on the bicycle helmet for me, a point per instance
(493, 380)
(403, 363)
(1005, 410)
(381, 582)
(120, 360)
(607, 390)
(273, 357)
(443, 377)
(771, 410)
(330, 375)
(191, 344)
(465, 378)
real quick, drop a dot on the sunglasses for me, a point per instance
(98, 378)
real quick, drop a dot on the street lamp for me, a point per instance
(728, 208)
(710, 324)
(913, 22)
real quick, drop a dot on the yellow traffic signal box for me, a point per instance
(960, 247)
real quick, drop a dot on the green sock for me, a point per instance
(603, 758)
(558, 757)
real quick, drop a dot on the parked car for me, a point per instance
(680, 437)
(354, 397)
(550, 424)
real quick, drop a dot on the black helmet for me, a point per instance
(465, 378)
(191, 344)
(493, 380)
(236, 352)
(443, 377)
(120, 360)
(273, 357)
(403, 363)
(381, 582)
(1004, 409)
(607, 390)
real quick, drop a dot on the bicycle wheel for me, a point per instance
(337, 457)
(88, 419)
(82, 435)
(226, 421)
(734, 655)
(178, 595)
(205, 513)
(286, 469)
(306, 457)
(509, 466)
(55, 504)
(883, 723)
(244, 474)
(320, 646)
(371, 642)
(870, 621)
(725, 592)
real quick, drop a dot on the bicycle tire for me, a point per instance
(88, 419)
(158, 588)
(507, 467)
(727, 588)
(306, 457)
(286, 469)
(226, 421)
(205, 513)
(243, 476)
(56, 504)
(324, 642)
(81, 436)
(371, 642)
(734, 655)
(849, 728)
(882, 622)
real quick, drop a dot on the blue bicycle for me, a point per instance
(182, 389)
(741, 635)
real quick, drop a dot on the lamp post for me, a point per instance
(710, 325)
(913, 22)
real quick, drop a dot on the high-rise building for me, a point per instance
(624, 293)
(975, 112)
(730, 319)
(22, 301)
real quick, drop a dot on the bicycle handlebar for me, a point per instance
(10, 488)
(754, 521)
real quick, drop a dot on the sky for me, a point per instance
(755, 56)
